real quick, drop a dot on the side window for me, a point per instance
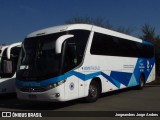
(3, 58)
(149, 51)
(14, 57)
(9, 66)
(104, 45)
(73, 49)
(81, 38)
(6, 66)
(113, 46)
(70, 56)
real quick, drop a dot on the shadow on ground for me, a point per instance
(11, 102)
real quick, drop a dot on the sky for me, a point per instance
(18, 18)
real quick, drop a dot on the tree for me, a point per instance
(88, 20)
(99, 22)
(149, 34)
(124, 30)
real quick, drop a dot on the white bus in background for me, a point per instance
(2, 49)
(81, 61)
(8, 66)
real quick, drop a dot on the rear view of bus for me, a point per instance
(8, 66)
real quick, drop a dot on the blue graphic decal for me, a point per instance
(149, 64)
(116, 78)
(113, 81)
(122, 77)
(132, 82)
(57, 79)
(84, 76)
(136, 71)
(145, 42)
(117, 84)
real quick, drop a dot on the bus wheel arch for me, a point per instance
(95, 88)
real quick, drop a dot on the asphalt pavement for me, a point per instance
(147, 99)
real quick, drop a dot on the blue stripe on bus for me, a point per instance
(147, 43)
(82, 76)
(122, 77)
(116, 78)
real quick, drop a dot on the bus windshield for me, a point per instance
(38, 59)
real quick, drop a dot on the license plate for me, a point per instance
(32, 96)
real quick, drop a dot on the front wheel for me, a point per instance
(94, 92)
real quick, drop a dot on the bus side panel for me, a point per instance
(105, 65)
(117, 72)
(151, 76)
(7, 85)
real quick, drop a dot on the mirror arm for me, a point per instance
(10, 47)
(59, 42)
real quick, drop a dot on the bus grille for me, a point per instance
(25, 89)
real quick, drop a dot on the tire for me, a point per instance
(141, 82)
(94, 92)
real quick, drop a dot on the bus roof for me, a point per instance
(60, 28)
(94, 28)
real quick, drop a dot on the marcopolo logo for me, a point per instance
(91, 68)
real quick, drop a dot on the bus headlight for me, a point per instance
(55, 85)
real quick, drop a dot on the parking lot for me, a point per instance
(125, 100)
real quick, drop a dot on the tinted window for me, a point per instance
(39, 60)
(114, 46)
(38, 54)
(80, 38)
(7, 72)
(74, 49)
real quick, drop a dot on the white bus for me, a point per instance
(8, 65)
(81, 61)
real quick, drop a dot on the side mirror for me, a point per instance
(10, 47)
(59, 42)
(7, 66)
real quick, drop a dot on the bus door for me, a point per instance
(69, 63)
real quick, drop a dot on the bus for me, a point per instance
(74, 61)
(8, 66)
(2, 48)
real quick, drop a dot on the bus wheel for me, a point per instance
(94, 92)
(141, 82)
